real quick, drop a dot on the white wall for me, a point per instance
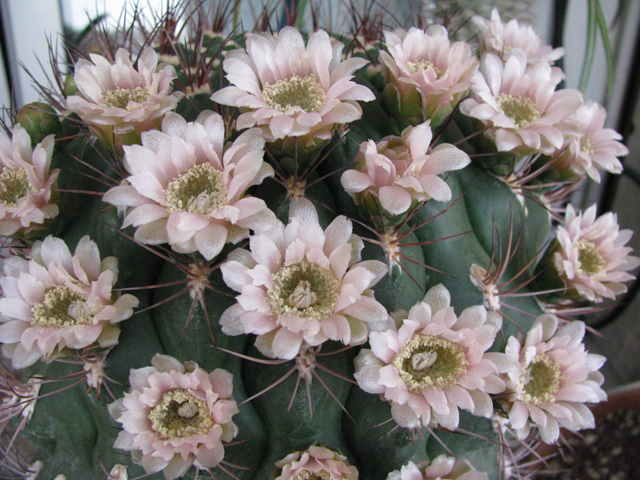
(28, 24)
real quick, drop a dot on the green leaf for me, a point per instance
(606, 42)
(590, 52)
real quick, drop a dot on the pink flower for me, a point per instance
(553, 381)
(590, 254)
(57, 301)
(301, 286)
(441, 468)
(188, 189)
(435, 363)
(594, 148)
(117, 99)
(118, 472)
(426, 74)
(502, 39)
(401, 171)
(26, 186)
(176, 415)
(316, 462)
(292, 90)
(519, 106)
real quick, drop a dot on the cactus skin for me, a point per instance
(73, 430)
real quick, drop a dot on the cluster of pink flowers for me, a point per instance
(300, 285)
(26, 185)
(400, 172)
(514, 98)
(58, 301)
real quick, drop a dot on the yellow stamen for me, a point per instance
(296, 94)
(61, 307)
(120, 97)
(423, 65)
(306, 475)
(198, 190)
(520, 109)
(590, 262)
(541, 380)
(14, 185)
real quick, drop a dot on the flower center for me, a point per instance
(179, 414)
(306, 475)
(541, 380)
(199, 190)
(585, 145)
(430, 361)
(305, 290)
(590, 262)
(520, 109)
(120, 97)
(423, 65)
(296, 94)
(14, 185)
(61, 307)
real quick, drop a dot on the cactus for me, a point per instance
(261, 260)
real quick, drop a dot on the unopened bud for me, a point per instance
(39, 120)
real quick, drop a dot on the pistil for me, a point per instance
(179, 414)
(305, 290)
(430, 361)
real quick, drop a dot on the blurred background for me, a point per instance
(30, 30)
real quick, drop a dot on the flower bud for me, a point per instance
(39, 120)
